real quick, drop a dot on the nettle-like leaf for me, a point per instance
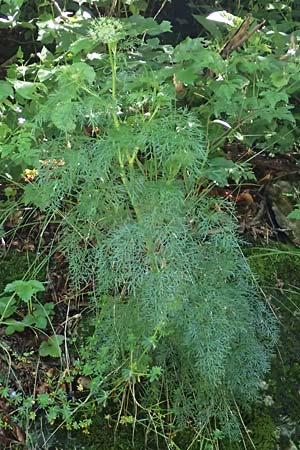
(25, 289)
(77, 72)
(62, 116)
(155, 373)
(13, 326)
(40, 315)
(51, 347)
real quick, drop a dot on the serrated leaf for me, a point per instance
(279, 79)
(155, 373)
(187, 49)
(51, 347)
(28, 320)
(38, 197)
(62, 116)
(13, 326)
(40, 321)
(221, 162)
(187, 75)
(79, 72)
(25, 289)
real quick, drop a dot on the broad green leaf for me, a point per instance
(51, 347)
(221, 162)
(25, 289)
(6, 89)
(40, 321)
(188, 75)
(25, 88)
(7, 307)
(295, 214)
(15, 3)
(271, 98)
(4, 130)
(139, 25)
(209, 25)
(13, 325)
(77, 72)
(279, 79)
(62, 116)
(48, 308)
(28, 320)
(85, 71)
(45, 74)
(81, 44)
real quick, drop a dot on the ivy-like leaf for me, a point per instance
(51, 347)
(14, 326)
(25, 289)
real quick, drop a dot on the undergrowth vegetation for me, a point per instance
(119, 139)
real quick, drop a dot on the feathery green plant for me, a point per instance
(181, 336)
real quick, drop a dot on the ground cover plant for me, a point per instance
(119, 139)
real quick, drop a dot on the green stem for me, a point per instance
(112, 50)
(149, 241)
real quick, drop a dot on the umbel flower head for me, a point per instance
(107, 30)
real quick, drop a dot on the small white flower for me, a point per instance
(86, 15)
(21, 120)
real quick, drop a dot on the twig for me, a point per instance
(9, 61)
(240, 37)
(160, 9)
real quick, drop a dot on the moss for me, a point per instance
(277, 268)
(16, 265)
(275, 262)
(264, 433)
(103, 437)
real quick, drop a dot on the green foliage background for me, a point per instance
(125, 162)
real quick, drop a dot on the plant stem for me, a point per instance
(148, 240)
(112, 50)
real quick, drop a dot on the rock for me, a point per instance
(282, 195)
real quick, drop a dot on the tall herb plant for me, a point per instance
(180, 336)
